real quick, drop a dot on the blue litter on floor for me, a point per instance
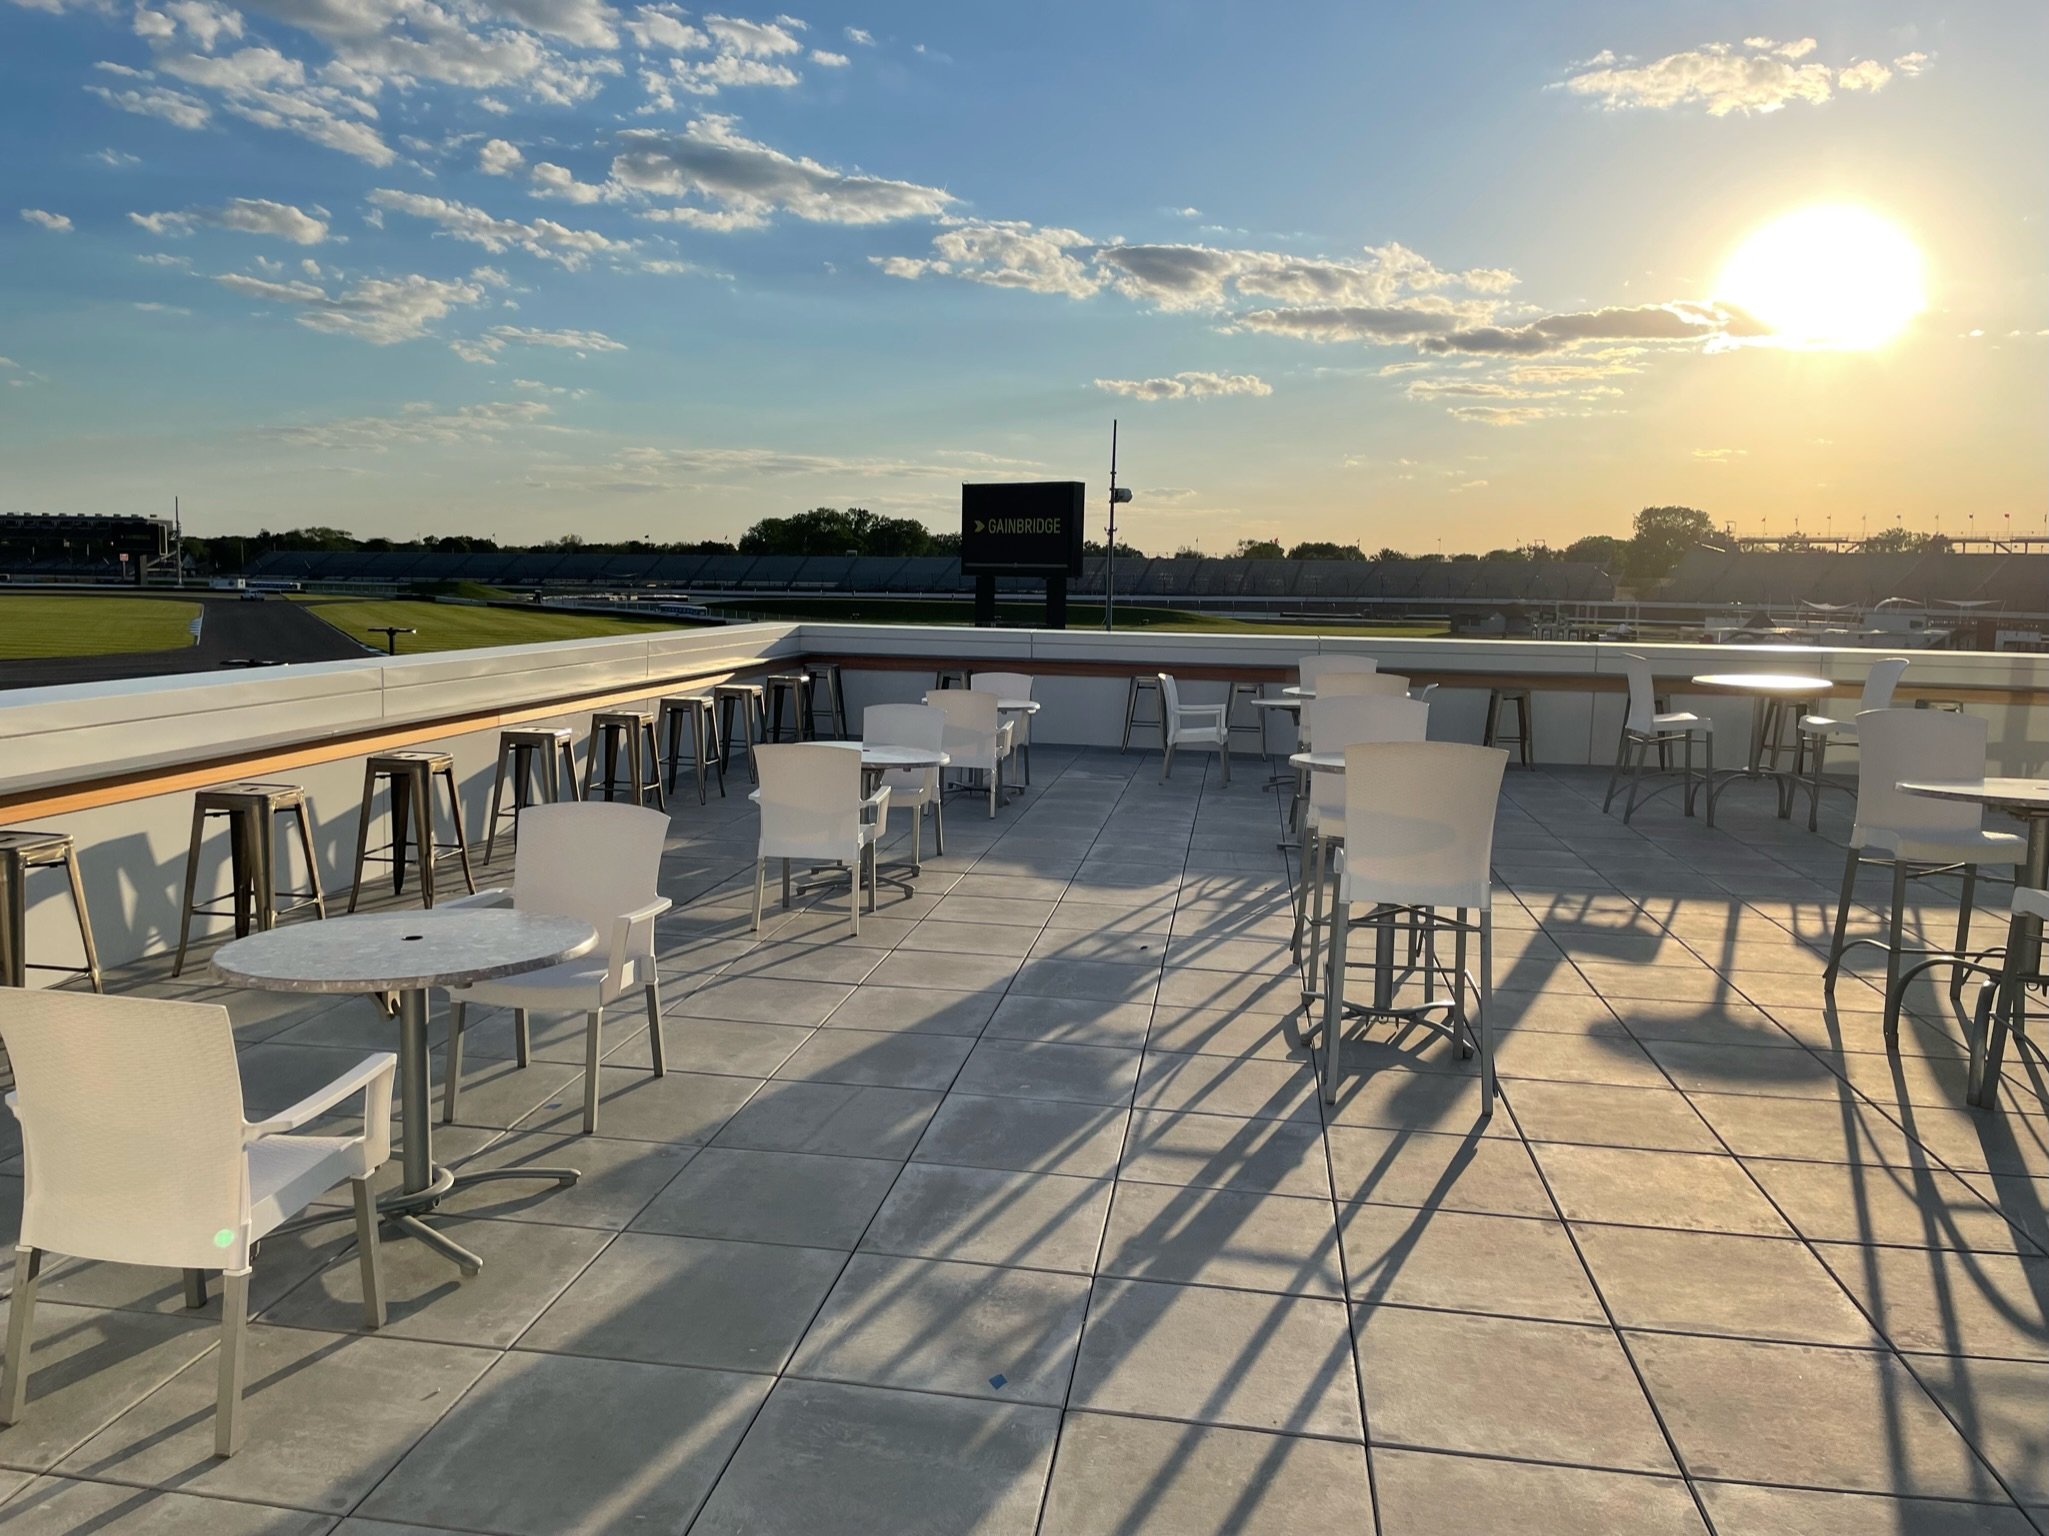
(998, 1380)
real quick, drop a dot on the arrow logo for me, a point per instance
(980, 525)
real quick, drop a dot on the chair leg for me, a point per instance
(760, 881)
(498, 799)
(1478, 1027)
(227, 1413)
(369, 1254)
(462, 842)
(917, 838)
(1892, 951)
(1708, 741)
(192, 889)
(195, 1289)
(363, 818)
(522, 1039)
(854, 890)
(451, 1075)
(1334, 997)
(1835, 945)
(657, 1047)
(939, 822)
(593, 1029)
(1312, 894)
(92, 954)
(1167, 763)
(1686, 775)
(995, 787)
(1636, 768)
(1224, 752)
(1965, 902)
(1820, 751)
(569, 768)
(1615, 777)
(21, 1327)
(786, 885)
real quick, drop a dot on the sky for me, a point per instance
(1455, 275)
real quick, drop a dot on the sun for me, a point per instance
(1834, 276)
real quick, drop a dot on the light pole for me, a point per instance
(1118, 497)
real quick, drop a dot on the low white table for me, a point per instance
(406, 953)
(1771, 695)
(2028, 800)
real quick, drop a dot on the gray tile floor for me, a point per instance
(1020, 1214)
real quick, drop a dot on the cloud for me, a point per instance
(499, 157)
(825, 60)
(755, 39)
(174, 107)
(1367, 323)
(1187, 386)
(1679, 321)
(250, 215)
(1720, 455)
(56, 223)
(1760, 75)
(861, 37)
(416, 424)
(648, 469)
(586, 23)
(487, 347)
(378, 310)
(748, 181)
(117, 158)
(544, 238)
(1503, 415)
(1911, 64)
(558, 181)
(661, 27)
(1005, 255)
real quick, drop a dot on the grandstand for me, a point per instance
(59, 547)
(2010, 584)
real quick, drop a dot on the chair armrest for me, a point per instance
(498, 897)
(879, 804)
(624, 928)
(373, 1077)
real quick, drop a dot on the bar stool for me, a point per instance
(753, 722)
(950, 677)
(546, 753)
(695, 711)
(251, 810)
(828, 694)
(796, 687)
(410, 777)
(1238, 727)
(1497, 698)
(628, 731)
(21, 852)
(1140, 686)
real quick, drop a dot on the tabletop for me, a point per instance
(1293, 692)
(1320, 762)
(1259, 703)
(1018, 706)
(1789, 684)
(903, 757)
(398, 951)
(2026, 795)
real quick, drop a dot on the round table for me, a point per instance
(406, 953)
(1771, 695)
(878, 760)
(2027, 800)
(1319, 762)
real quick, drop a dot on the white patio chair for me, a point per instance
(1191, 725)
(598, 862)
(1311, 669)
(1915, 836)
(1011, 685)
(1360, 685)
(1341, 723)
(136, 1151)
(1994, 1022)
(1644, 728)
(978, 739)
(812, 810)
(1419, 840)
(1817, 731)
(911, 725)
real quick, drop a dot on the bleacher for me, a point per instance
(1711, 579)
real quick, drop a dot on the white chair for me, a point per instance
(1359, 685)
(1998, 1016)
(1012, 685)
(812, 809)
(978, 739)
(911, 725)
(1419, 840)
(1341, 723)
(1310, 670)
(1190, 725)
(598, 862)
(1916, 836)
(1817, 731)
(135, 1151)
(1644, 728)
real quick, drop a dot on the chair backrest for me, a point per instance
(972, 721)
(131, 1129)
(1005, 685)
(1880, 682)
(1357, 685)
(1419, 822)
(1643, 694)
(810, 797)
(1170, 700)
(1338, 723)
(906, 725)
(1311, 668)
(592, 860)
(1896, 744)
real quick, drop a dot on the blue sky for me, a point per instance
(1445, 273)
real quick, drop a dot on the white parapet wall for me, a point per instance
(115, 764)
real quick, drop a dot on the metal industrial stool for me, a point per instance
(695, 711)
(21, 852)
(747, 697)
(632, 732)
(1493, 737)
(543, 753)
(1239, 726)
(251, 810)
(410, 777)
(950, 677)
(796, 687)
(828, 695)
(1140, 686)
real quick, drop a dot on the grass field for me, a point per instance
(48, 625)
(1079, 616)
(447, 627)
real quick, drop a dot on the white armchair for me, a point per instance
(1011, 685)
(911, 725)
(136, 1151)
(598, 862)
(812, 810)
(1191, 725)
(978, 739)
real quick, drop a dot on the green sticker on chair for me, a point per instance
(224, 1238)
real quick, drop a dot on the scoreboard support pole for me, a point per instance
(985, 602)
(1056, 600)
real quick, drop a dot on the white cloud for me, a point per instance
(174, 107)
(558, 181)
(748, 181)
(826, 60)
(499, 158)
(655, 26)
(755, 39)
(1720, 455)
(1187, 386)
(56, 223)
(117, 158)
(1678, 321)
(271, 89)
(415, 425)
(586, 23)
(543, 237)
(1911, 64)
(860, 37)
(250, 215)
(1005, 255)
(1865, 75)
(487, 347)
(377, 310)
(1760, 75)
(1503, 415)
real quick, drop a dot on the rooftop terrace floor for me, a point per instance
(1020, 1214)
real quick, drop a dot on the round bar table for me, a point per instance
(406, 953)
(2028, 800)
(1771, 695)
